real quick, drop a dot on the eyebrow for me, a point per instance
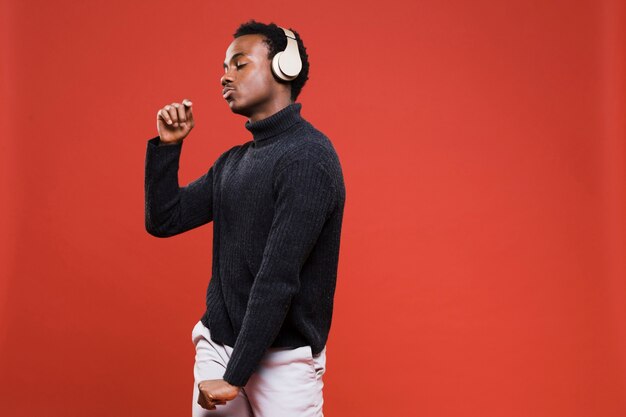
(233, 57)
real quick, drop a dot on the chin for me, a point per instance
(237, 109)
(232, 105)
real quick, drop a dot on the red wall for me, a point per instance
(482, 262)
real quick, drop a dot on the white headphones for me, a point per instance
(287, 64)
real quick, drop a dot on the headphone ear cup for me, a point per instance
(276, 67)
(287, 64)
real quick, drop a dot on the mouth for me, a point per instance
(227, 92)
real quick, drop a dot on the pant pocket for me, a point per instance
(319, 363)
(315, 363)
(195, 331)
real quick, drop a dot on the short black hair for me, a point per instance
(276, 41)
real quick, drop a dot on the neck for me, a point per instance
(273, 106)
(276, 123)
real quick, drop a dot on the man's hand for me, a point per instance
(215, 392)
(175, 121)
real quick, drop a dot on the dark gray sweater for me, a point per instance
(276, 203)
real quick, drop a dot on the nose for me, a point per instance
(226, 78)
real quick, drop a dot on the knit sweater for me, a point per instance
(276, 203)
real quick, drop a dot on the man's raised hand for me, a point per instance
(175, 121)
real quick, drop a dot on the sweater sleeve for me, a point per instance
(305, 196)
(170, 209)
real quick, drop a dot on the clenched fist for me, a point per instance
(213, 392)
(175, 121)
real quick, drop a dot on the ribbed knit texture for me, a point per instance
(276, 203)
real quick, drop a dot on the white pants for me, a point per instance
(287, 383)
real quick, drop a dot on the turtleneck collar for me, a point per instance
(276, 123)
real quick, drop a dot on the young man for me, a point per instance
(276, 203)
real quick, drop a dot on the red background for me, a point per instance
(482, 262)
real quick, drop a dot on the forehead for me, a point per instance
(249, 45)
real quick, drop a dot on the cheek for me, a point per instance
(259, 81)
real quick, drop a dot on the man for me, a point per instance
(276, 203)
